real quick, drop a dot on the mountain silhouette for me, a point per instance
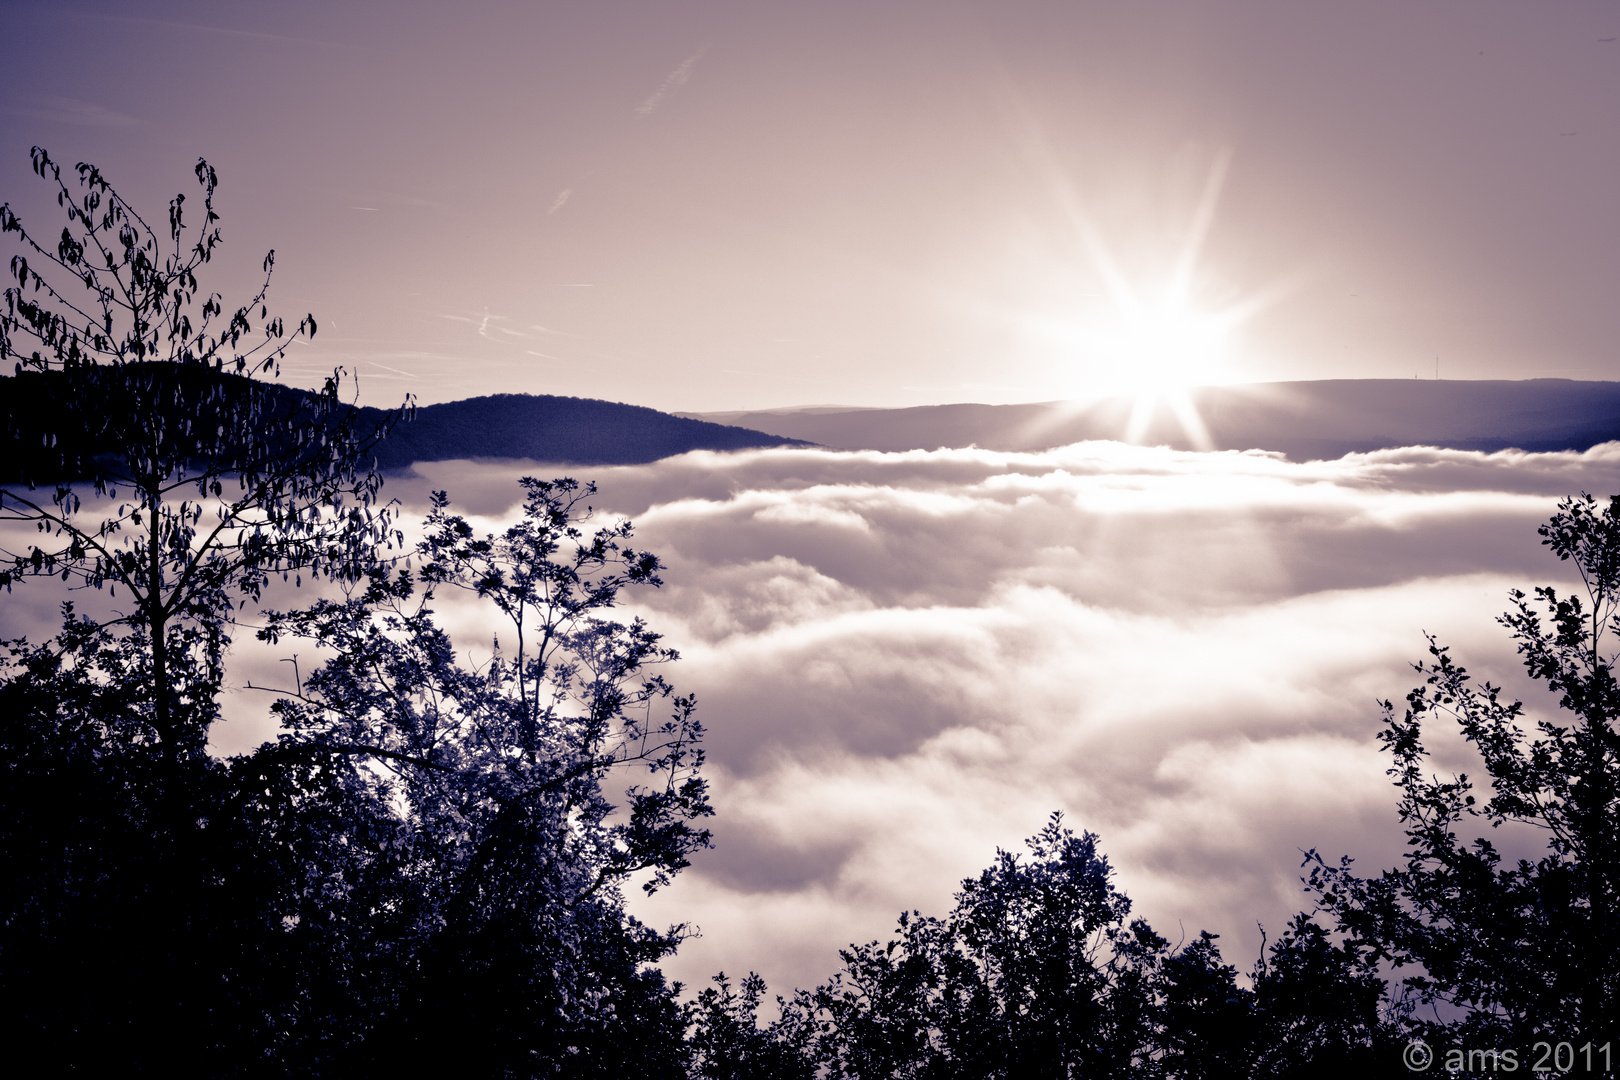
(565, 430)
(1303, 420)
(53, 436)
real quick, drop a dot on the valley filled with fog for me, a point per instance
(906, 660)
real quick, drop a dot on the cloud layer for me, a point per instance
(907, 660)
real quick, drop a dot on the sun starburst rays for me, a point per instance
(1164, 325)
(1161, 342)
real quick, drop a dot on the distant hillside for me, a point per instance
(1305, 420)
(48, 441)
(566, 430)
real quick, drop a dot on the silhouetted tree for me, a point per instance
(728, 1042)
(1036, 973)
(497, 774)
(1042, 935)
(211, 485)
(426, 864)
(128, 913)
(1500, 952)
(1207, 1020)
(1319, 1007)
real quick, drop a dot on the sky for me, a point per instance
(731, 205)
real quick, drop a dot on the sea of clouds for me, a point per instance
(905, 661)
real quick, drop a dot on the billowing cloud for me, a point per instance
(907, 660)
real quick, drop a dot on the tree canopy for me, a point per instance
(206, 486)
(1494, 950)
(1040, 971)
(429, 848)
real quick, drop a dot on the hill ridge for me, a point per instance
(1324, 418)
(49, 440)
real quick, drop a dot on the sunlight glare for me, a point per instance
(1154, 340)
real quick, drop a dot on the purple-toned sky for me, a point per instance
(723, 205)
(907, 660)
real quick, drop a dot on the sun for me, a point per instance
(1155, 353)
(1161, 342)
(1165, 346)
(1161, 329)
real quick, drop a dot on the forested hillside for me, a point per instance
(52, 439)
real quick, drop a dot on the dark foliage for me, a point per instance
(54, 439)
(1040, 972)
(212, 486)
(496, 776)
(1498, 952)
(728, 1042)
(152, 907)
(426, 868)
(1206, 1021)
(1319, 1008)
(428, 851)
